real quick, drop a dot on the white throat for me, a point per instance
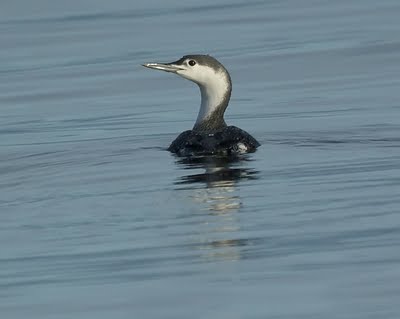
(215, 94)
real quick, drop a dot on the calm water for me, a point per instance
(97, 220)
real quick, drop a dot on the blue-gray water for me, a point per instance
(97, 220)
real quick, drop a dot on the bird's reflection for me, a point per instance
(215, 190)
(217, 170)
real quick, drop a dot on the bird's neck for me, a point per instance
(214, 101)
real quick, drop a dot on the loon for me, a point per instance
(210, 134)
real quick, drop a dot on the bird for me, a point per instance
(210, 134)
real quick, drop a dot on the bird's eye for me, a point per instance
(192, 62)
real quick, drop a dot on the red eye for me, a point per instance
(192, 62)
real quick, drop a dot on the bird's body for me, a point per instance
(210, 134)
(229, 140)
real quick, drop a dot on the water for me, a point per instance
(97, 220)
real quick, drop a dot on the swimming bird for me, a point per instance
(210, 134)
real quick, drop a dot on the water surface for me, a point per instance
(97, 220)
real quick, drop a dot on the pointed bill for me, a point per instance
(167, 67)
